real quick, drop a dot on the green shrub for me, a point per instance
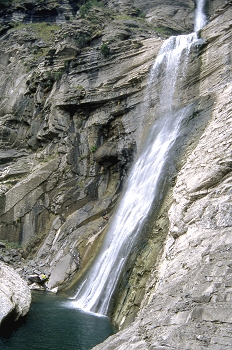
(82, 40)
(58, 75)
(105, 50)
(93, 148)
(139, 13)
(84, 9)
(50, 78)
(42, 30)
(165, 31)
(14, 245)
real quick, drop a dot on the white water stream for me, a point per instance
(145, 182)
(200, 17)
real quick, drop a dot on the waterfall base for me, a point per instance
(53, 323)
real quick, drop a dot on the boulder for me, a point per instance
(15, 295)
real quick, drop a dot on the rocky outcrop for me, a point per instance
(32, 11)
(15, 295)
(187, 304)
(71, 121)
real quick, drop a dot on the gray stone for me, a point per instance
(71, 121)
(15, 295)
(190, 285)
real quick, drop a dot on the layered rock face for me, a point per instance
(15, 296)
(71, 121)
(187, 304)
(34, 11)
(70, 115)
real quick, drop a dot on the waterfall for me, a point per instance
(200, 18)
(146, 181)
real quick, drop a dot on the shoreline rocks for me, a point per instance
(15, 295)
(13, 257)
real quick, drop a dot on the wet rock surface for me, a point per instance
(70, 117)
(187, 302)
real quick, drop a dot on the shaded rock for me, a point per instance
(107, 154)
(34, 278)
(41, 278)
(67, 51)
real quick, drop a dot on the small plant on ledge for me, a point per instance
(93, 148)
(105, 50)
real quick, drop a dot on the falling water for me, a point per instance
(200, 17)
(146, 180)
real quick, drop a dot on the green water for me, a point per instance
(53, 323)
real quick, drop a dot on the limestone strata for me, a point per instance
(187, 304)
(69, 128)
(15, 296)
(71, 120)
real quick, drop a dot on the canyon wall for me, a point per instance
(70, 119)
(72, 90)
(187, 302)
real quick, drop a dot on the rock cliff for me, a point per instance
(73, 79)
(187, 303)
(69, 117)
